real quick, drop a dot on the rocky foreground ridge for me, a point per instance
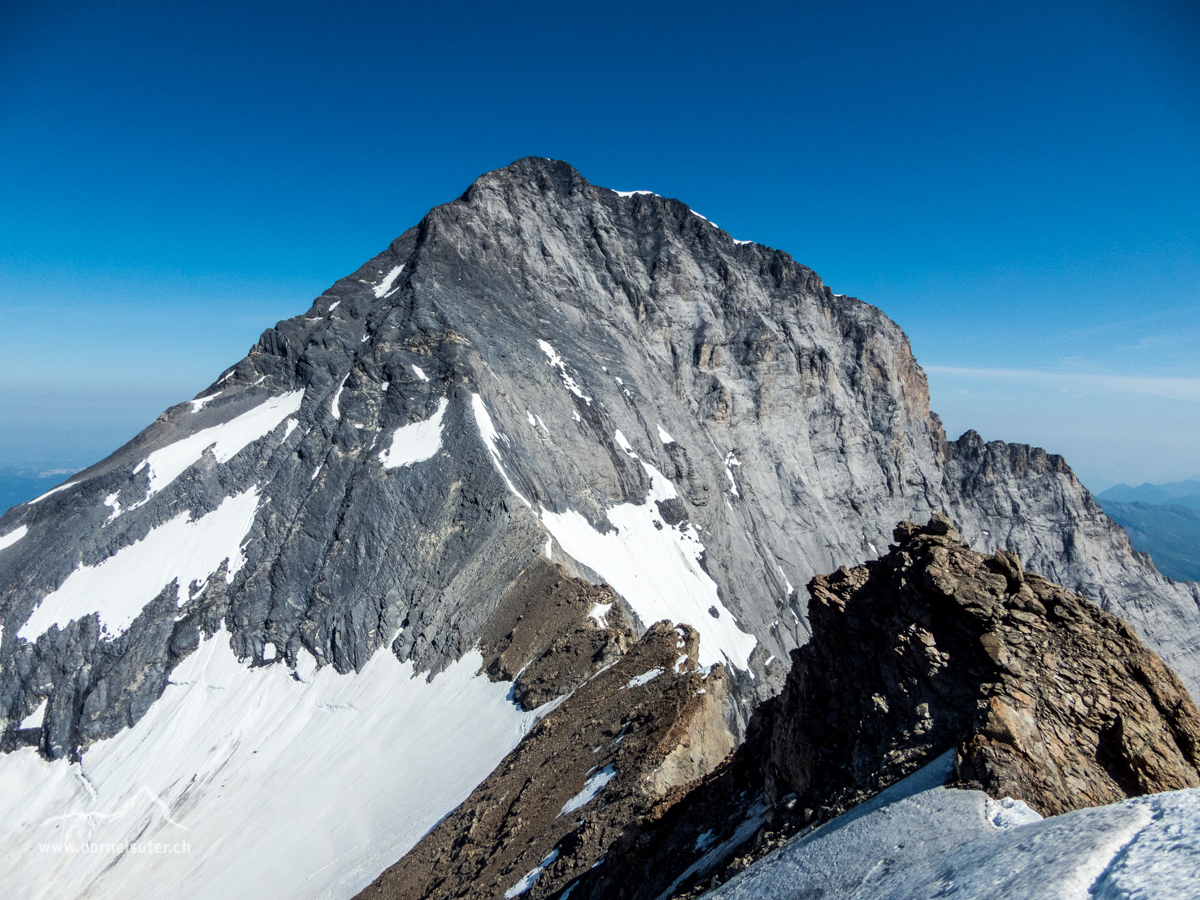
(373, 502)
(1041, 695)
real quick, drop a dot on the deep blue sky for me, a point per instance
(1017, 184)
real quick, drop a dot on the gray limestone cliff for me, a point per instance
(542, 366)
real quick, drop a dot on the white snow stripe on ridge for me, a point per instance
(644, 678)
(119, 587)
(656, 570)
(386, 285)
(591, 788)
(61, 487)
(13, 536)
(416, 442)
(244, 759)
(227, 440)
(490, 436)
(198, 405)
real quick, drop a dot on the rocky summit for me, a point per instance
(476, 484)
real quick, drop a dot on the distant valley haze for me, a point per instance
(1018, 187)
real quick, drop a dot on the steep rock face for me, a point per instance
(526, 325)
(1043, 697)
(1014, 497)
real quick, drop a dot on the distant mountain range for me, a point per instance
(1163, 520)
(1181, 493)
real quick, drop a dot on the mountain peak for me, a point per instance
(533, 172)
(543, 373)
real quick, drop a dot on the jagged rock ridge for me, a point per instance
(1042, 696)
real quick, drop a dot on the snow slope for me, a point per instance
(919, 839)
(656, 567)
(227, 440)
(118, 588)
(255, 782)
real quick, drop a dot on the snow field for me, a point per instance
(657, 570)
(655, 567)
(304, 787)
(119, 587)
(227, 440)
(919, 839)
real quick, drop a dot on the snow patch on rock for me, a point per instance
(644, 678)
(657, 570)
(381, 290)
(557, 362)
(416, 442)
(13, 536)
(199, 404)
(334, 409)
(181, 550)
(598, 612)
(227, 440)
(593, 786)
(530, 877)
(491, 437)
(35, 718)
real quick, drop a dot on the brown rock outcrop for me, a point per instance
(647, 722)
(1048, 698)
(551, 632)
(1044, 696)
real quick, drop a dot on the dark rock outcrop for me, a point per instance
(1045, 697)
(551, 633)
